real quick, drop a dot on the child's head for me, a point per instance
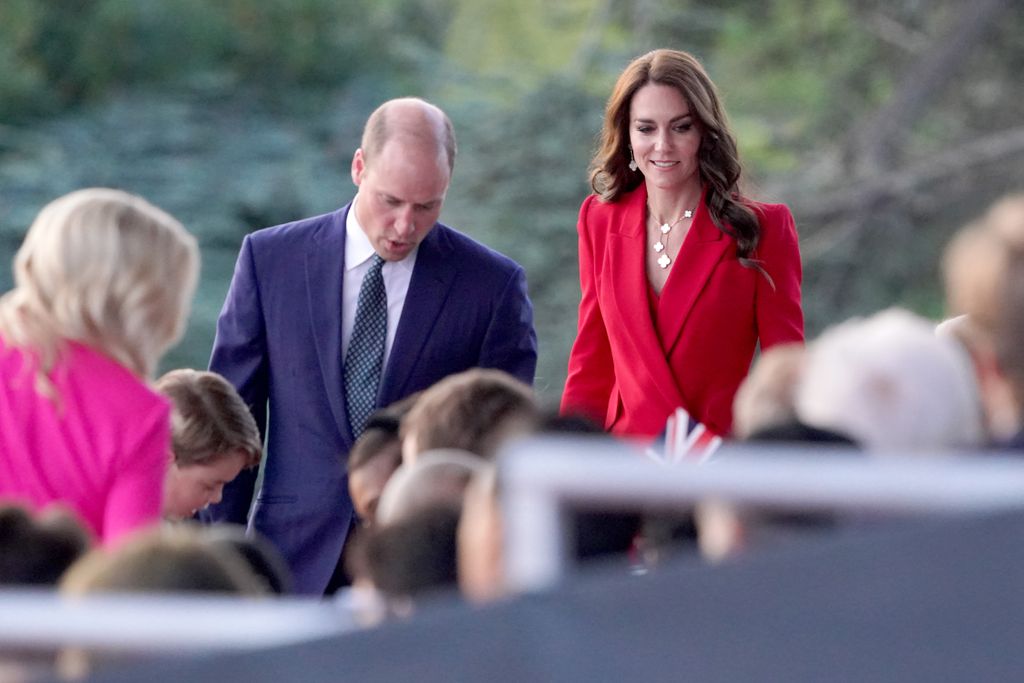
(476, 411)
(375, 456)
(371, 462)
(213, 438)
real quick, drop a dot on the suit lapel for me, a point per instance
(429, 287)
(629, 286)
(325, 264)
(703, 248)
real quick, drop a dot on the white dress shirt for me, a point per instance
(397, 275)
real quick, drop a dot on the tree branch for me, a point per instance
(877, 138)
(894, 184)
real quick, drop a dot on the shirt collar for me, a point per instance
(357, 245)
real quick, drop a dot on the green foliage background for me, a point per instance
(239, 114)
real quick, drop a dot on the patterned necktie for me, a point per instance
(365, 354)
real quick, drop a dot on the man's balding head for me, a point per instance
(415, 121)
(402, 170)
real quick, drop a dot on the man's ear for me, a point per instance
(358, 167)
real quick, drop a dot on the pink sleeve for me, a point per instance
(135, 498)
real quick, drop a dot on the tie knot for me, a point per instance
(376, 262)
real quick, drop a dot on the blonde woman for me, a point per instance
(103, 284)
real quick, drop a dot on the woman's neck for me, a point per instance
(668, 205)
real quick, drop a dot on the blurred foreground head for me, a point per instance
(437, 478)
(593, 535)
(480, 538)
(104, 268)
(410, 550)
(767, 396)
(475, 411)
(889, 382)
(375, 456)
(36, 549)
(175, 559)
(259, 554)
(984, 275)
(172, 559)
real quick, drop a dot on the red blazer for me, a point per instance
(629, 371)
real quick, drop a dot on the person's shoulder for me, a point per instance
(300, 231)
(597, 211)
(769, 214)
(593, 206)
(83, 359)
(778, 233)
(89, 372)
(626, 201)
(471, 251)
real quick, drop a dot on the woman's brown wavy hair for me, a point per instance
(718, 158)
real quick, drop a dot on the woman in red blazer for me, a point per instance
(681, 276)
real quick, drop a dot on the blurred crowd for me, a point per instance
(115, 512)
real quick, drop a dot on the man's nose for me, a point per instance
(405, 225)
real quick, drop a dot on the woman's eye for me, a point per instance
(684, 127)
(644, 129)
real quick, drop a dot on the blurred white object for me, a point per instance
(889, 382)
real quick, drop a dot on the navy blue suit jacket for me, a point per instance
(279, 342)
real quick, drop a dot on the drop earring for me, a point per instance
(632, 161)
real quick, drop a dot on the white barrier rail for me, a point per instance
(540, 478)
(152, 623)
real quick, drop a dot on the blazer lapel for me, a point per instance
(429, 287)
(703, 248)
(626, 268)
(325, 264)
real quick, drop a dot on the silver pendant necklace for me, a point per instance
(665, 229)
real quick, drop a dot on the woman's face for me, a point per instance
(665, 137)
(189, 488)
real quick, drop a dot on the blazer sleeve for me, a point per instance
(240, 356)
(780, 317)
(510, 343)
(590, 378)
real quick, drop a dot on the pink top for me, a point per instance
(101, 449)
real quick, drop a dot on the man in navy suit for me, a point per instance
(289, 316)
